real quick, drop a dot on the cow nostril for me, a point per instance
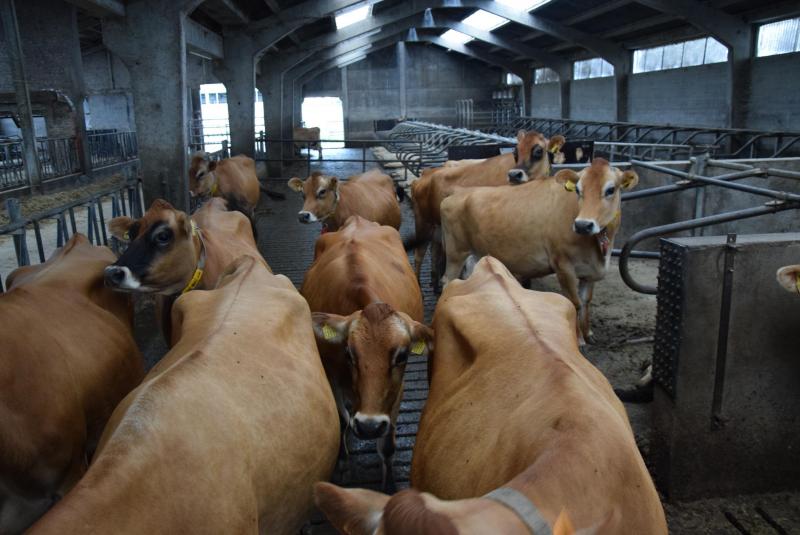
(583, 227)
(114, 275)
(381, 429)
(303, 217)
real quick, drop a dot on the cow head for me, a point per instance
(366, 512)
(376, 343)
(789, 278)
(598, 189)
(162, 255)
(533, 155)
(202, 180)
(320, 196)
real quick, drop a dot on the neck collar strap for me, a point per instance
(523, 508)
(201, 264)
(215, 186)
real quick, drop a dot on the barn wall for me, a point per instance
(110, 104)
(774, 99)
(546, 100)
(692, 96)
(593, 99)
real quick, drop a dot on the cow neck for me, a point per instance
(201, 261)
(330, 214)
(521, 506)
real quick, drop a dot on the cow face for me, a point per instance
(789, 278)
(320, 196)
(366, 512)
(534, 154)
(598, 189)
(162, 253)
(376, 343)
(201, 175)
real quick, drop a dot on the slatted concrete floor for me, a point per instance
(288, 247)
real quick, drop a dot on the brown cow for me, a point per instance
(68, 358)
(519, 429)
(530, 159)
(233, 179)
(367, 311)
(542, 227)
(170, 253)
(227, 433)
(372, 196)
(789, 278)
(306, 138)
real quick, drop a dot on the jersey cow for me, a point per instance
(367, 307)
(789, 278)
(372, 196)
(520, 432)
(170, 253)
(531, 159)
(563, 225)
(306, 138)
(60, 381)
(233, 179)
(227, 433)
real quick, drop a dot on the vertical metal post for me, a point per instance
(20, 244)
(717, 419)
(8, 18)
(363, 157)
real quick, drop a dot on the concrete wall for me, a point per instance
(692, 96)
(775, 99)
(110, 104)
(593, 99)
(546, 100)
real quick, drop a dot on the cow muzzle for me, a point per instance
(306, 217)
(367, 426)
(120, 277)
(586, 227)
(517, 176)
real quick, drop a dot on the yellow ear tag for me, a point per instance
(570, 185)
(328, 332)
(418, 348)
(554, 149)
(126, 236)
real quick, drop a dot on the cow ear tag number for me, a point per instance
(418, 348)
(328, 333)
(569, 185)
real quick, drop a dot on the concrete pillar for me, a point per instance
(527, 85)
(740, 77)
(10, 26)
(621, 84)
(150, 40)
(237, 72)
(565, 90)
(401, 76)
(77, 89)
(291, 115)
(344, 95)
(269, 83)
(196, 139)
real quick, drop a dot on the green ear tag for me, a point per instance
(418, 347)
(328, 332)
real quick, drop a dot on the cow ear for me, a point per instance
(421, 339)
(629, 179)
(212, 165)
(789, 278)
(119, 228)
(520, 135)
(563, 525)
(351, 511)
(568, 178)
(333, 183)
(555, 144)
(330, 328)
(296, 184)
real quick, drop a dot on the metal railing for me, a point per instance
(58, 157)
(696, 179)
(112, 147)
(733, 143)
(12, 165)
(126, 199)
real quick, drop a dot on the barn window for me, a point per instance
(222, 98)
(779, 37)
(259, 96)
(513, 79)
(544, 75)
(327, 114)
(456, 37)
(675, 55)
(212, 98)
(202, 98)
(592, 68)
(483, 20)
(352, 15)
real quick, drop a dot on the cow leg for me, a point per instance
(585, 291)
(438, 263)
(386, 448)
(568, 281)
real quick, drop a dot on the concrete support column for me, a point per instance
(740, 76)
(291, 115)
(8, 18)
(77, 90)
(527, 87)
(269, 83)
(565, 90)
(344, 95)
(196, 137)
(621, 83)
(401, 76)
(151, 42)
(237, 72)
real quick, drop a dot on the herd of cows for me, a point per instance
(239, 426)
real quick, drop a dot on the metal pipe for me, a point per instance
(671, 188)
(679, 226)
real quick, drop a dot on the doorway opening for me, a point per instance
(327, 114)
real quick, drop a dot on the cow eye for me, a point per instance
(321, 193)
(610, 190)
(401, 357)
(536, 153)
(163, 236)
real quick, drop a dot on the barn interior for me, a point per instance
(103, 102)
